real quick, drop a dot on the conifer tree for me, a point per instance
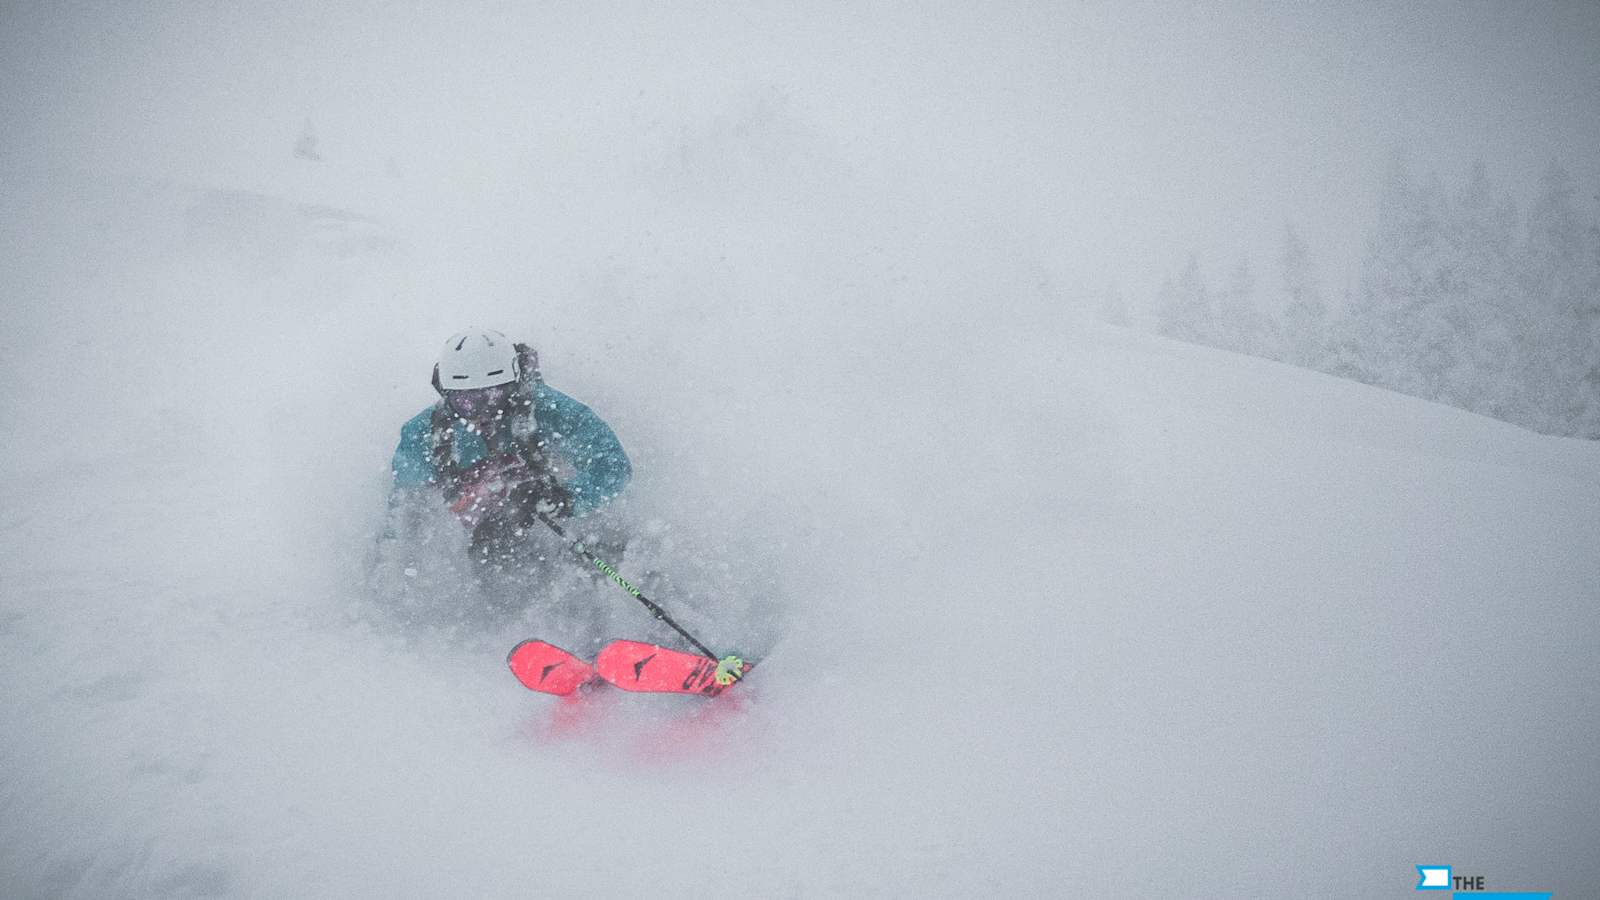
(1305, 315)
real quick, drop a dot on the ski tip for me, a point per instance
(542, 666)
(528, 646)
(512, 653)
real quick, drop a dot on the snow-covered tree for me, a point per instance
(1305, 315)
(1460, 300)
(1589, 326)
(1557, 279)
(1185, 307)
(1462, 303)
(1480, 230)
(1391, 334)
(1239, 325)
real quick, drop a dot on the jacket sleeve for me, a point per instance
(412, 464)
(575, 432)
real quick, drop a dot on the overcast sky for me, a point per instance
(1115, 138)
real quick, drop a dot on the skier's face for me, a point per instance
(480, 404)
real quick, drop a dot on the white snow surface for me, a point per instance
(1074, 610)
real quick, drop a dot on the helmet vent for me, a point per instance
(460, 342)
(498, 372)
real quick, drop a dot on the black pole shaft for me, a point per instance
(589, 558)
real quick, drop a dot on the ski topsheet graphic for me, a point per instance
(548, 668)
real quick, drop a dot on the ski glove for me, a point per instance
(729, 670)
(542, 496)
(486, 487)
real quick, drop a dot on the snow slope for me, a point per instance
(1077, 610)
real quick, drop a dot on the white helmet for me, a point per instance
(477, 358)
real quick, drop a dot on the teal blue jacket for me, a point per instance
(574, 435)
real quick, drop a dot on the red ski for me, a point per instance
(548, 668)
(637, 666)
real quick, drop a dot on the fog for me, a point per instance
(1110, 139)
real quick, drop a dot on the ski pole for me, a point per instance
(590, 558)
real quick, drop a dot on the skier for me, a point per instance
(502, 450)
(500, 447)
